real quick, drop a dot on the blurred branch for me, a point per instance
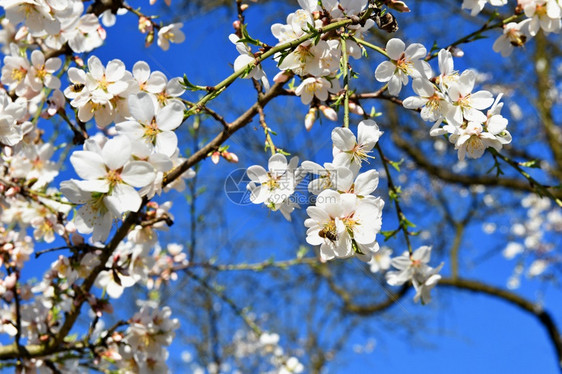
(544, 102)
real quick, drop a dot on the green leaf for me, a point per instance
(389, 234)
(396, 164)
(531, 164)
(246, 38)
(190, 86)
(395, 193)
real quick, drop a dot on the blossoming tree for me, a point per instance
(96, 155)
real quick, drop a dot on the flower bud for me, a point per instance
(78, 61)
(397, 5)
(281, 77)
(329, 112)
(215, 157)
(457, 52)
(149, 38)
(356, 108)
(230, 157)
(21, 33)
(102, 33)
(236, 25)
(310, 118)
(243, 7)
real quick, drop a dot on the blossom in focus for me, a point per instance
(343, 225)
(404, 62)
(273, 187)
(151, 125)
(349, 151)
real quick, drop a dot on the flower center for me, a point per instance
(18, 74)
(272, 182)
(151, 131)
(41, 73)
(103, 83)
(113, 177)
(404, 65)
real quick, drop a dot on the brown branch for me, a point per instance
(544, 102)
(355, 308)
(232, 127)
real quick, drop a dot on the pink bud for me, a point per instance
(243, 7)
(281, 77)
(230, 157)
(11, 192)
(329, 112)
(236, 25)
(355, 108)
(215, 157)
(310, 118)
(397, 5)
(102, 33)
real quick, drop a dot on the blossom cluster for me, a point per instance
(54, 24)
(116, 170)
(266, 345)
(534, 239)
(345, 218)
(542, 15)
(448, 100)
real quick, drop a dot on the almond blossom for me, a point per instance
(434, 105)
(14, 71)
(41, 72)
(275, 185)
(245, 59)
(318, 87)
(414, 267)
(465, 104)
(113, 172)
(153, 126)
(11, 132)
(343, 225)
(544, 14)
(514, 35)
(170, 34)
(473, 141)
(349, 151)
(404, 62)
